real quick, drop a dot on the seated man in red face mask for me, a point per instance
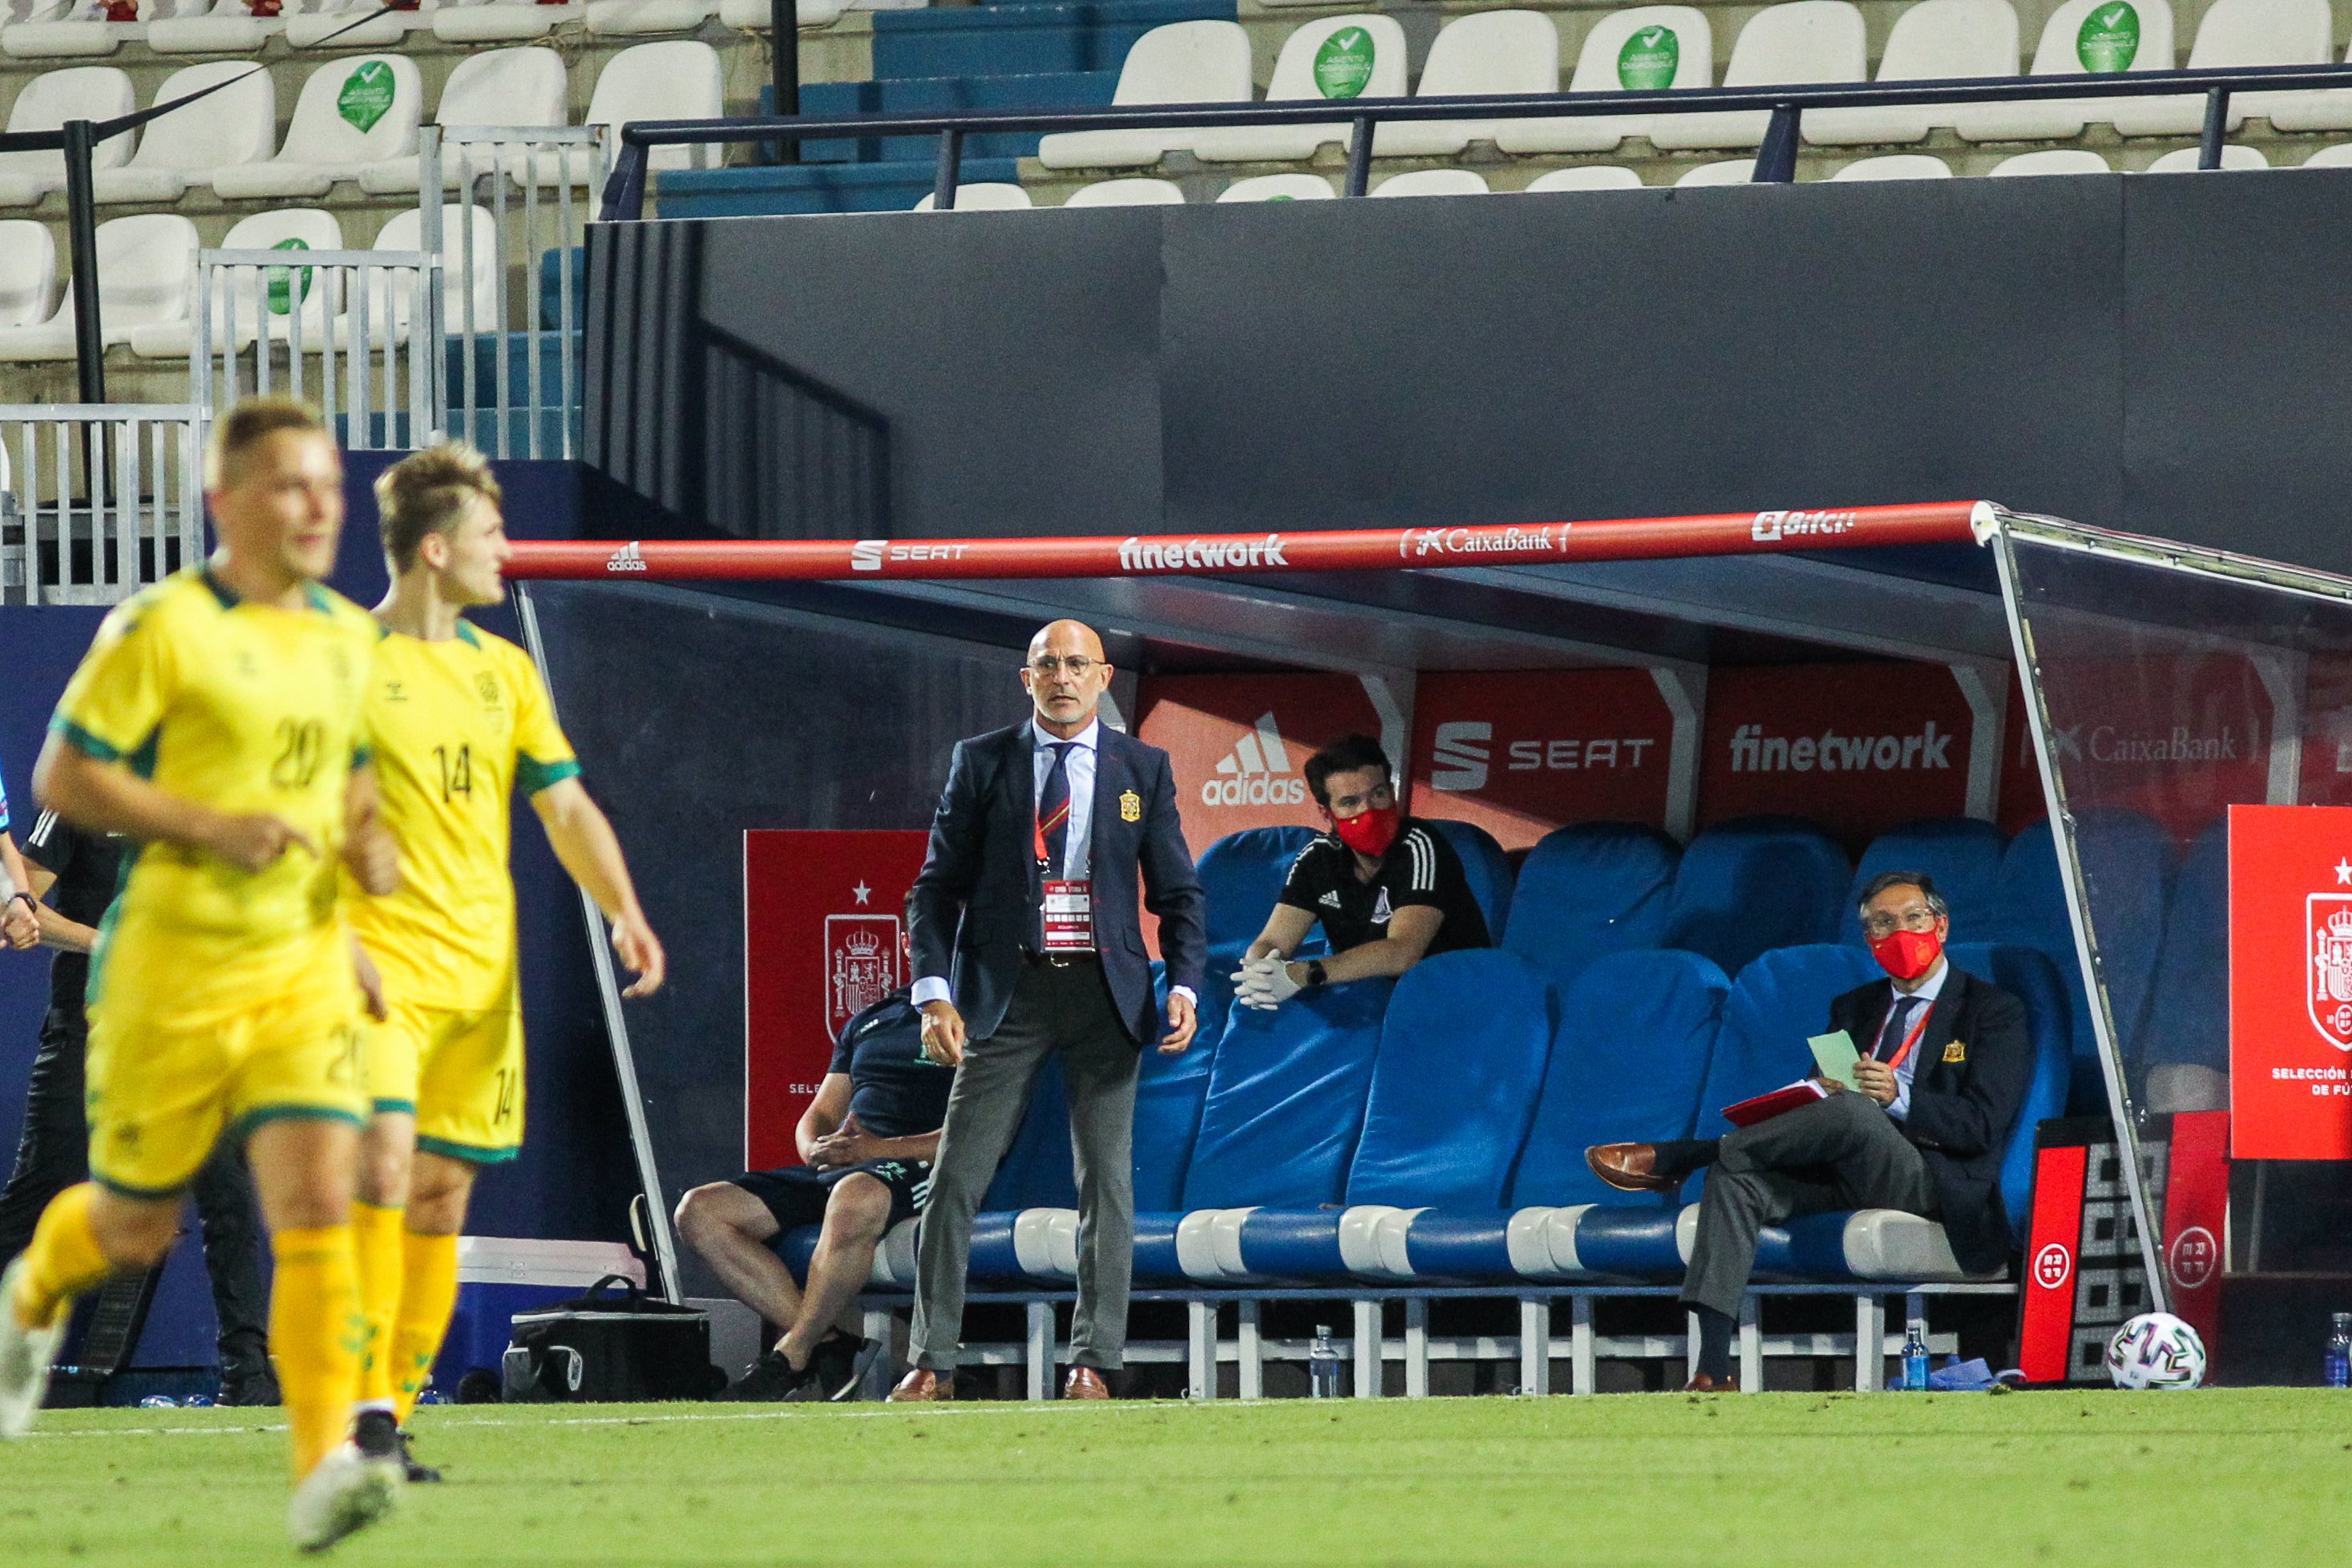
(1389, 888)
(1945, 1063)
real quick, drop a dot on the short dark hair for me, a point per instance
(1919, 880)
(1345, 755)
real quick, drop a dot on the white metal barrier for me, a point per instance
(97, 499)
(519, 386)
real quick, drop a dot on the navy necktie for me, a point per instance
(1053, 810)
(1898, 1018)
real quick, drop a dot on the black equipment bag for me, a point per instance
(620, 1346)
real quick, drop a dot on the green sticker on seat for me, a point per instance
(2109, 40)
(287, 284)
(1343, 66)
(366, 97)
(1649, 60)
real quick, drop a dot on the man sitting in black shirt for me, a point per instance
(1389, 888)
(869, 1138)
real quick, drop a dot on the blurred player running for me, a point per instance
(219, 719)
(461, 722)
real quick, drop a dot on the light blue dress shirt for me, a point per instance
(1901, 1108)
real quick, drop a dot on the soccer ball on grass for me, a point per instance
(2156, 1350)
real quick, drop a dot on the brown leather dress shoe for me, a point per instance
(1629, 1167)
(1085, 1383)
(1701, 1382)
(924, 1386)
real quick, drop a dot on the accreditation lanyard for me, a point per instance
(1903, 1053)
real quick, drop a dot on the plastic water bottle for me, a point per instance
(159, 1402)
(1915, 1357)
(2335, 1370)
(1323, 1364)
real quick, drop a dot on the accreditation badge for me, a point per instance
(1070, 917)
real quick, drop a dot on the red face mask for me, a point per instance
(1907, 954)
(1369, 831)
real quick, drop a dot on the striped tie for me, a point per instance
(1053, 810)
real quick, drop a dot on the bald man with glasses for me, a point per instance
(1027, 942)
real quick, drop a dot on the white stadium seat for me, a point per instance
(1279, 188)
(1182, 62)
(2318, 109)
(1896, 166)
(79, 29)
(339, 25)
(1333, 57)
(285, 229)
(352, 113)
(755, 15)
(1645, 49)
(2054, 161)
(678, 78)
(1933, 40)
(633, 18)
(2233, 33)
(1595, 178)
(406, 230)
(146, 266)
(230, 27)
(1432, 183)
(1730, 172)
(1485, 52)
(1798, 41)
(2336, 157)
(984, 196)
(500, 21)
(236, 124)
(48, 101)
(28, 271)
(1128, 194)
(518, 87)
(2082, 37)
(2184, 160)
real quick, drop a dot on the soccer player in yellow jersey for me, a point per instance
(461, 722)
(218, 718)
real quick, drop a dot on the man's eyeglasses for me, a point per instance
(1078, 665)
(1921, 919)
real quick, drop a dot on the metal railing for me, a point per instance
(1776, 158)
(525, 179)
(354, 331)
(97, 499)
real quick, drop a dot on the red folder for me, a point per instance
(1765, 1107)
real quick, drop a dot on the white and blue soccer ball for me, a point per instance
(2156, 1350)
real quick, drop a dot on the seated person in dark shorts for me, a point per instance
(868, 1138)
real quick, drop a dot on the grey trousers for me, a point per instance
(1067, 1010)
(1842, 1152)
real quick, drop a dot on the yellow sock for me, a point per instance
(63, 1260)
(317, 1331)
(428, 1294)
(375, 1235)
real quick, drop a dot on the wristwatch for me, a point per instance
(31, 902)
(1314, 976)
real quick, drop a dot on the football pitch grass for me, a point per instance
(2240, 1476)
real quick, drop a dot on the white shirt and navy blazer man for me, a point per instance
(1026, 940)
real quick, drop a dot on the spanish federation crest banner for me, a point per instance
(2291, 982)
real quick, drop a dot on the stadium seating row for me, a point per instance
(1671, 46)
(55, 29)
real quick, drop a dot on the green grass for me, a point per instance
(2238, 1476)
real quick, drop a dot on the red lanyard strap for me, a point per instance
(1911, 1039)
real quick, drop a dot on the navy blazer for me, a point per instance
(973, 913)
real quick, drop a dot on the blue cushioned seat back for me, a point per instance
(1960, 853)
(1486, 868)
(1755, 884)
(1168, 1095)
(1778, 1003)
(1286, 1100)
(2048, 1015)
(1461, 1064)
(1589, 890)
(1628, 1060)
(2188, 1000)
(1240, 875)
(1035, 1172)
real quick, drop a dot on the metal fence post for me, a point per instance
(1360, 157)
(432, 328)
(1776, 160)
(943, 187)
(2217, 120)
(81, 230)
(784, 17)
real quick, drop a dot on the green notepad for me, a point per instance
(1835, 1055)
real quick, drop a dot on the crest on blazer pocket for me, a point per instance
(1958, 1051)
(1130, 806)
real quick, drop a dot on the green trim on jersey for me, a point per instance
(82, 741)
(531, 775)
(466, 634)
(242, 1128)
(145, 1194)
(473, 1154)
(406, 1106)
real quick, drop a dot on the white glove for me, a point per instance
(1263, 983)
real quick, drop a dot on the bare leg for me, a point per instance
(856, 1212)
(438, 1190)
(387, 1148)
(134, 1233)
(729, 1227)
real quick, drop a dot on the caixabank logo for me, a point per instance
(1256, 772)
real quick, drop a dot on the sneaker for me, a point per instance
(772, 1378)
(252, 1388)
(348, 1491)
(840, 1361)
(26, 1355)
(418, 1475)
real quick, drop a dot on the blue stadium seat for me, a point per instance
(1169, 1092)
(1960, 853)
(1756, 884)
(2188, 1019)
(1241, 873)
(1589, 890)
(1629, 1056)
(1455, 1084)
(1486, 869)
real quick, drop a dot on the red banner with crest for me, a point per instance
(2291, 982)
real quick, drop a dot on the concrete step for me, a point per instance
(945, 95)
(1025, 40)
(813, 188)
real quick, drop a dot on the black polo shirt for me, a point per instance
(894, 1091)
(1421, 867)
(88, 869)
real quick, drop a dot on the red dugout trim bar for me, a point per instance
(1214, 555)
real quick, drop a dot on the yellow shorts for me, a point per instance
(459, 1072)
(175, 1066)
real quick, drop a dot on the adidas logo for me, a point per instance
(1256, 772)
(1331, 899)
(628, 558)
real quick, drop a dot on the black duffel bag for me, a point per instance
(623, 1345)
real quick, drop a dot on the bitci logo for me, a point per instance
(2327, 975)
(2052, 1267)
(2193, 1257)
